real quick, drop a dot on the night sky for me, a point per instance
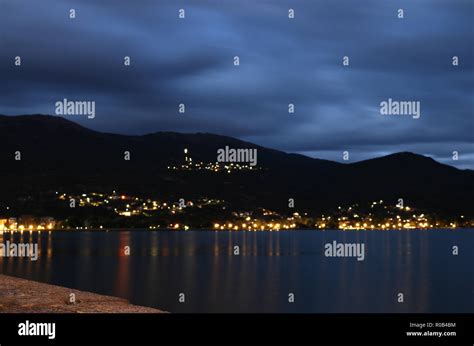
(282, 61)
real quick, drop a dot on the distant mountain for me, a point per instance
(58, 154)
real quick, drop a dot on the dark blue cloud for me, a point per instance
(282, 61)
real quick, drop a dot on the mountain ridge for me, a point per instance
(58, 120)
(60, 155)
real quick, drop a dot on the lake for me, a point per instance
(201, 264)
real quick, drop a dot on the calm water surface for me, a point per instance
(202, 265)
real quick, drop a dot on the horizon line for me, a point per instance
(39, 115)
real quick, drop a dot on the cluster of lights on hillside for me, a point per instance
(374, 216)
(127, 205)
(348, 218)
(190, 165)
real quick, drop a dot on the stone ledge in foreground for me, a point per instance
(25, 296)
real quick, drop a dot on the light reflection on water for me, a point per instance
(202, 265)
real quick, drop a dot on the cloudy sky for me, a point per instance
(282, 61)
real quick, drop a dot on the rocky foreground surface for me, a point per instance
(25, 296)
